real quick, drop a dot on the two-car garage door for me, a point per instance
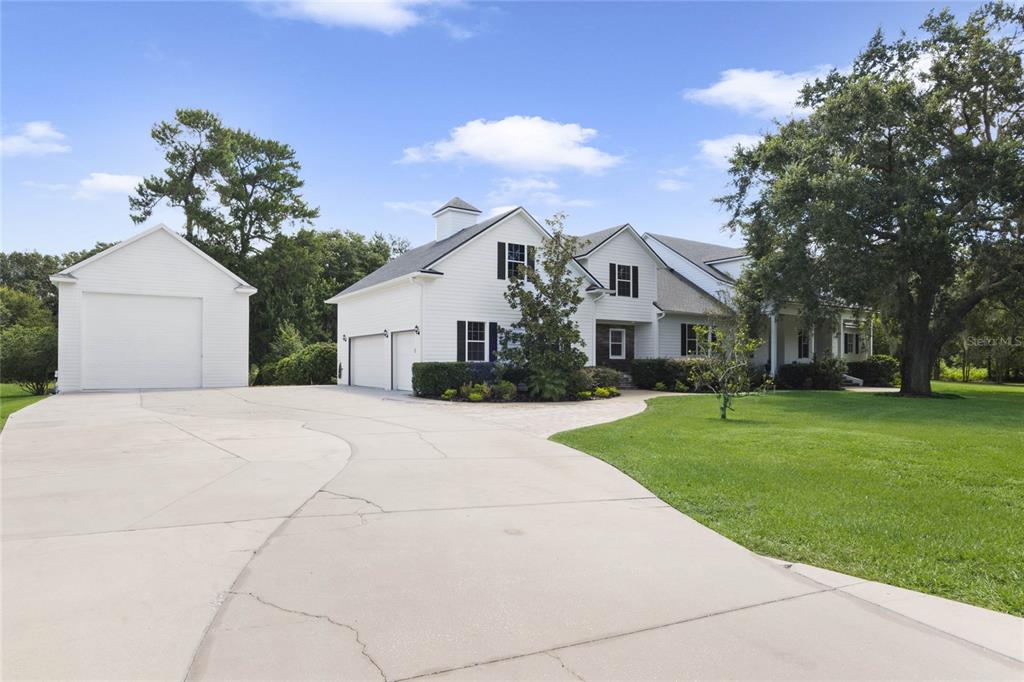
(137, 341)
(381, 361)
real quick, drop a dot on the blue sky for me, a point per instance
(612, 112)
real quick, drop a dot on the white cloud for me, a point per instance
(386, 16)
(426, 207)
(767, 94)
(523, 143)
(671, 185)
(498, 210)
(719, 150)
(36, 138)
(532, 191)
(106, 183)
(670, 180)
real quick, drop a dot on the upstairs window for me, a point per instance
(623, 280)
(476, 341)
(516, 259)
(803, 345)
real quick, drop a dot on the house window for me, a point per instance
(851, 343)
(516, 257)
(803, 345)
(476, 341)
(624, 280)
(617, 344)
(690, 343)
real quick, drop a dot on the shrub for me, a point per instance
(826, 374)
(466, 390)
(648, 372)
(680, 387)
(287, 341)
(254, 374)
(548, 384)
(613, 391)
(796, 376)
(434, 378)
(660, 386)
(604, 376)
(877, 370)
(601, 392)
(28, 356)
(449, 394)
(504, 391)
(585, 395)
(475, 397)
(314, 364)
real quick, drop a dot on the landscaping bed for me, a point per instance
(921, 493)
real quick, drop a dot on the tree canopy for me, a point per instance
(902, 190)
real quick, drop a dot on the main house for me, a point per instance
(643, 297)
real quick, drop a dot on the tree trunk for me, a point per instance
(916, 360)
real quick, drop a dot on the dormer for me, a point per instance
(454, 216)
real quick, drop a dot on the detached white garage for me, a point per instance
(151, 312)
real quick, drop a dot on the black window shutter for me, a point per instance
(612, 282)
(531, 253)
(636, 282)
(501, 260)
(682, 339)
(492, 341)
(460, 336)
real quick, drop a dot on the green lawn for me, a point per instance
(12, 399)
(927, 494)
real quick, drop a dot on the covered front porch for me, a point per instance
(617, 343)
(790, 340)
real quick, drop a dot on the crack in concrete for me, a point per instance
(444, 455)
(492, 506)
(131, 526)
(567, 669)
(203, 440)
(325, 617)
(618, 635)
(354, 497)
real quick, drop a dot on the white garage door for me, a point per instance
(404, 356)
(370, 361)
(133, 341)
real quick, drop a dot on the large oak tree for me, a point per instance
(902, 190)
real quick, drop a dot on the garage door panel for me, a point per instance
(370, 364)
(138, 341)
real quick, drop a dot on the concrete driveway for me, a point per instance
(317, 532)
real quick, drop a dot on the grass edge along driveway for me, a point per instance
(12, 398)
(926, 494)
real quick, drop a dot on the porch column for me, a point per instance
(871, 337)
(814, 343)
(774, 344)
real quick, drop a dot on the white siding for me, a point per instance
(470, 289)
(625, 249)
(158, 264)
(690, 271)
(733, 268)
(393, 307)
(670, 333)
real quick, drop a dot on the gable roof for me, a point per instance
(67, 276)
(589, 242)
(423, 257)
(457, 203)
(701, 254)
(680, 295)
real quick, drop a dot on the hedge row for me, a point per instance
(432, 379)
(314, 364)
(826, 374)
(877, 370)
(677, 374)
